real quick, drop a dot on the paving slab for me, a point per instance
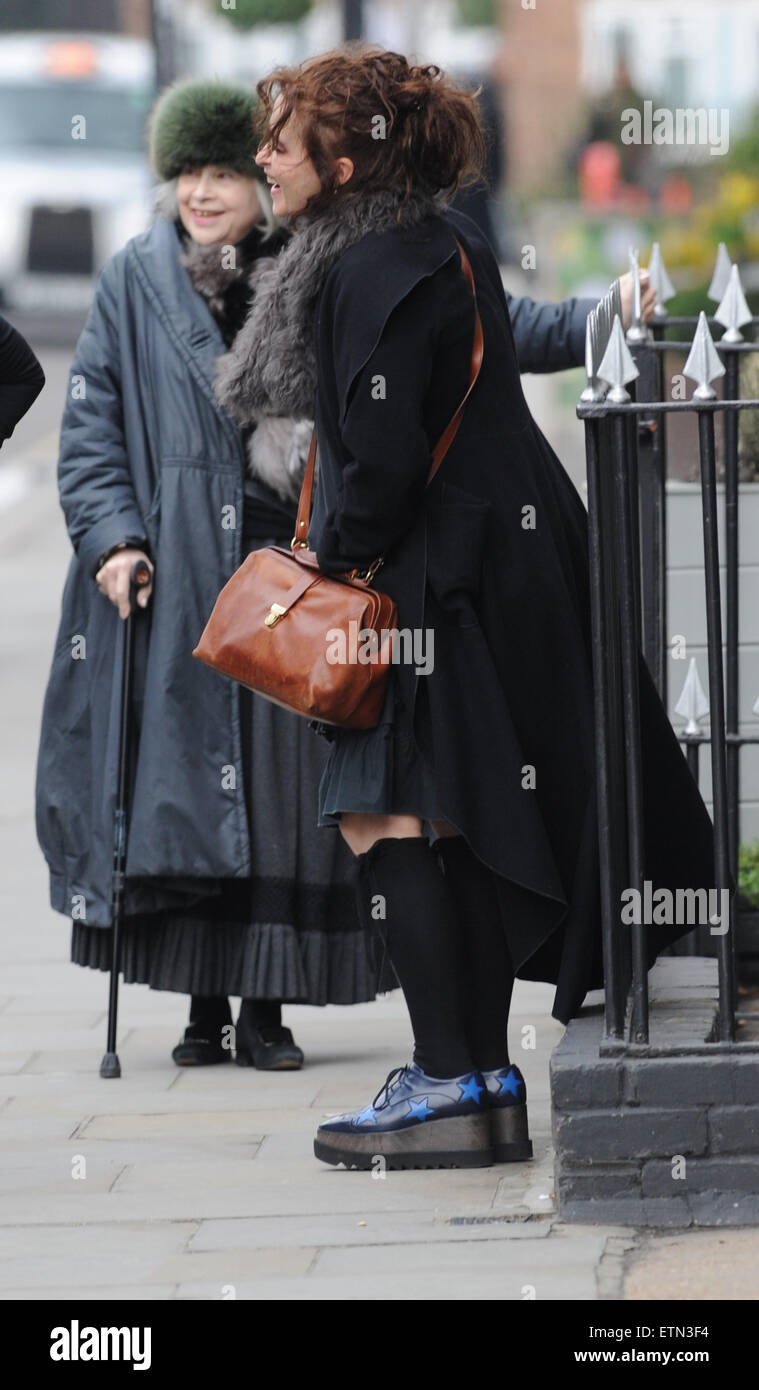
(13, 1062)
(227, 1266)
(178, 1176)
(69, 1171)
(121, 1293)
(520, 1261)
(251, 1125)
(64, 1208)
(451, 1285)
(105, 1254)
(343, 1229)
(709, 1265)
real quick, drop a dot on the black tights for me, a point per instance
(487, 972)
(444, 937)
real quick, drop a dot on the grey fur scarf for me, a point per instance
(270, 369)
(277, 447)
(209, 277)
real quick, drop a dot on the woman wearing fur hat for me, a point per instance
(470, 807)
(231, 889)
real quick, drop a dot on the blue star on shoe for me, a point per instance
(471, 1089)
(367, 1116)
(419, 1109)
(506, 1086)
(509, 1084)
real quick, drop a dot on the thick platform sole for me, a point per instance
(244, 1058)
(458, 1142)
(509, 1134)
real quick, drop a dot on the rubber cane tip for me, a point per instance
(110, 1065)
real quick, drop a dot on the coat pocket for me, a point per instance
(457, 531)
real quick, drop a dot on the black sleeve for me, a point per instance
(21, 378)
(549, 337)
(382, 484)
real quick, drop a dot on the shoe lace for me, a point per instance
(393, 1079)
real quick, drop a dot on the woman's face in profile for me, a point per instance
(289, 169)
(217, 204)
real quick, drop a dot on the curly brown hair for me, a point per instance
(403, 126)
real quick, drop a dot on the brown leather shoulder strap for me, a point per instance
(449, 433)
(446, 438)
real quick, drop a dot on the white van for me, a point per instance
(74, 178)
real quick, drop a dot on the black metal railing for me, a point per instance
(626, 451)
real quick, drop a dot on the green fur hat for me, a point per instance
(200, 122)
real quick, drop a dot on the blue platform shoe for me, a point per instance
(507, 1095)
(415, 1121)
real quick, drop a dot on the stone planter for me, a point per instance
(665, 1135)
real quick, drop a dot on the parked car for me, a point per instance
(75, 180)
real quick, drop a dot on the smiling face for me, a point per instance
(217, 204)
(289, 170)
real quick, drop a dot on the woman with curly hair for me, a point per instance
(470, 807)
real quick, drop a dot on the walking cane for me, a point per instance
(110, 1065)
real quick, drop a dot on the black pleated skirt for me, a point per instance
(378, 770)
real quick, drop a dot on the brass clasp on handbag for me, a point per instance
(274, 614)
(370, 573)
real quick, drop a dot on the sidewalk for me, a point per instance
(201, 1184)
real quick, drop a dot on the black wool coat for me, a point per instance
(493, 556)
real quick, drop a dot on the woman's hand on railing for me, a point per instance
(112, 579)
(647, 297)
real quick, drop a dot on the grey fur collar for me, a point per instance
(270, 368)
(209, 277)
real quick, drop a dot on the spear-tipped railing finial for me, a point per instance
(703, 365)
(693, 704)
(733, 310)
(722, 267)
(617, 366)
(660, 281)
(637, 332)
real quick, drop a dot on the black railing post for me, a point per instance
(732, 362)
(625, 544)
(609, 741)
(716, 712)
(653, 511)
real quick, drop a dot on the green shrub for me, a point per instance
(748, 872)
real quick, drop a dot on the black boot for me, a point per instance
(260, 1039)
(204, 1038)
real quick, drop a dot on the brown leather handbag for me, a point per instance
(283, 629)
